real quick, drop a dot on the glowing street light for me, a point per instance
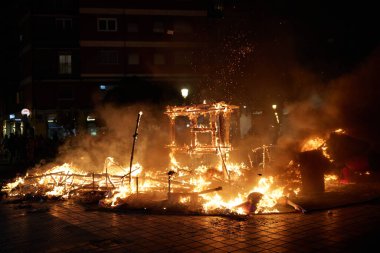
(274, 107)
(184, 92)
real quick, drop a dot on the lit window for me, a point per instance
(158, 27)
(107, 24)
(65, 64)
(64, 24)
(159, 59)
(133, 59)
(132, 28)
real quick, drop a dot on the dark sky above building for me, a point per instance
(330, 36)
(335, 35)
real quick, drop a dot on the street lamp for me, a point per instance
(184, 92)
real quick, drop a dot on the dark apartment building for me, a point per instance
(48, 59)
(73, 53)
(9, 70)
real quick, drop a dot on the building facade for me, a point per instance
(73, 53)
(49, 65)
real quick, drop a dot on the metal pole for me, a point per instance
(107, 176)
(133, 146)
(220, 150)
(169, 187)
(264, 157)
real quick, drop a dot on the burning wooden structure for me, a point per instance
(202, 188)
(210, 120)
(67, 181)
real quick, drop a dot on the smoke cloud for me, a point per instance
(115, 140)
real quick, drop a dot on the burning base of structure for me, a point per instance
(222, 189)
(157, 192)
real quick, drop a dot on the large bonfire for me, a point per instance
(221, 188)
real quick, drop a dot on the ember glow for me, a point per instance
(270, 195)
(315, 143)
(312, 144)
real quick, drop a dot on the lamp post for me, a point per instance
(274, 107)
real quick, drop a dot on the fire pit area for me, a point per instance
(203, 178)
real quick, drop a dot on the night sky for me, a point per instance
(334, 36)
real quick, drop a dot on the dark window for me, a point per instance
(65, 93)
(64, 24)
(132, 28)
(63, 4)
(159, 59)
(107, 24)
(158, 27)
(133, 59)
(108, 57)
(182, 58)
(182, 27)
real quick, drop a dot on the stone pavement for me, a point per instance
(69, 227)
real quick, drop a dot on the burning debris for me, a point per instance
(201, 177)
(153, 191)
